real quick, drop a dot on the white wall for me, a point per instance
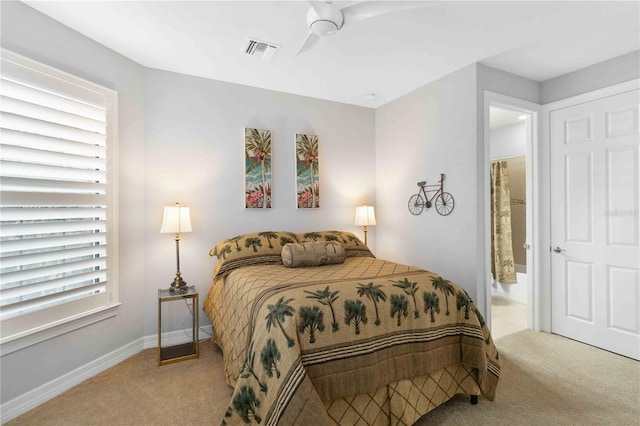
(508, 141)
(38, 37)
(616, 70)
(439, 128)
(427, 132)
(195, 155)
(181, 139)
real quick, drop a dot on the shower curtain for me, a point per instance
(502, 265)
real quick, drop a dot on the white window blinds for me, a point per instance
(56, 193)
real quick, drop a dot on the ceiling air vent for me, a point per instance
(261, 49)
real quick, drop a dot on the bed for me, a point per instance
(315, 330)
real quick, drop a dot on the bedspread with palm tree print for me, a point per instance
(295, 337)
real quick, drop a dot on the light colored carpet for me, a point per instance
(550, 380)
(546, 380)
(138, 392)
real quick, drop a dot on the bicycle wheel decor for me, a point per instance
(430, 195)
(445, 204)
(416, 204)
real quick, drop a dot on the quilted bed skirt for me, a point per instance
(405, 401)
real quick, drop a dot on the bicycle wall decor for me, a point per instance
(426, 195)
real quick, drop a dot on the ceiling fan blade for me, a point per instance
(369, 9)
(310, 41)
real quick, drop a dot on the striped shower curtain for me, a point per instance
(502, 265)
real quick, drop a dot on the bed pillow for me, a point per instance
(319, 253)
(250, 249)
(353, 246)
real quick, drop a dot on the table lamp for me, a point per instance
(177, 220)
(365, 216)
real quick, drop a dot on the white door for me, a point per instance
(595, 223)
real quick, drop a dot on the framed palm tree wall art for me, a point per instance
(307, 171)
(257, 173)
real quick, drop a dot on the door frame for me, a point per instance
(544, 266)
(533, 182)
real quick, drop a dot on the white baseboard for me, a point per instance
(31, 399)
(176, 337)
(517, 298)
(515, 292)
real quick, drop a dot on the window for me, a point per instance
(58, 246)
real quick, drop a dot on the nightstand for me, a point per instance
(183, 351)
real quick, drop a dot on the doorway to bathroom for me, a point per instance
(510, 138)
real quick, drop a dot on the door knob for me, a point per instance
(558, 250)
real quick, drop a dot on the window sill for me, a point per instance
(31, 337)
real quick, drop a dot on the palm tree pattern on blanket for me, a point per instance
(310, 321)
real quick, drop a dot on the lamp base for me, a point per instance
(178, 285)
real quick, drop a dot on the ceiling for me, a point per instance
(367, 63)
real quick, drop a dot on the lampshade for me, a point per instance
(365, 216)
(177, 220)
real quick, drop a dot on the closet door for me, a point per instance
(595, 224)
